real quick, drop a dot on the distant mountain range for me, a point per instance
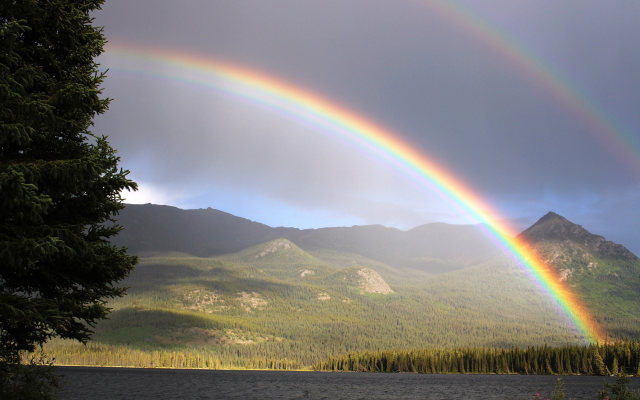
(207, 232)
(606, 274)
(249, 295)
(579, 256)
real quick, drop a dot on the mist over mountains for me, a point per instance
(207, 232)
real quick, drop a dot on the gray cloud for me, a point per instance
(405, 65)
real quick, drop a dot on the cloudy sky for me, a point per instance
(533, 104)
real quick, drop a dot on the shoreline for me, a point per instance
(325, 371)
(187, 369)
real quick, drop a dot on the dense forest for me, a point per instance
(620, 358)
(99, 355)
(606, 359)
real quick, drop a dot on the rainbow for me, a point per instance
(340, 121)
(574, 101)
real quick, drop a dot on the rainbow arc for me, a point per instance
(340, 121)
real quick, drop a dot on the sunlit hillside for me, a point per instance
(276, 303)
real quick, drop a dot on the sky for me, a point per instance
(532, 104)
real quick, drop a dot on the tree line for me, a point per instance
(596, 359)
(215, 357)
(620, 358)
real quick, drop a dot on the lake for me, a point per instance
(140, 384)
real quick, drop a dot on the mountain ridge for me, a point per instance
(153, 228)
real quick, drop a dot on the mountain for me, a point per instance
(432, 247)
(151, 228)
(605, 274)
(553, 228)
(274, 252)
(572, 249)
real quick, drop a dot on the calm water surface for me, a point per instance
(128, 383)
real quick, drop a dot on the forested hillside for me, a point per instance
(282, 303)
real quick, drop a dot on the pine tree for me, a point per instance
(600, 367)
(614, 367)
(59, 184)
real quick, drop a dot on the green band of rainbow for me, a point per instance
(338, 120)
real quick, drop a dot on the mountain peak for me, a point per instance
(552, 216)
(553, 227)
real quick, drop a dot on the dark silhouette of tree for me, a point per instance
(59, 183)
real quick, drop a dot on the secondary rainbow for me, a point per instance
(338, 120)
(572, 100)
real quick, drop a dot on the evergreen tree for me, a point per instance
(600, 367)
(59, 184)
(614, 367)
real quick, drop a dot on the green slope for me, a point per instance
(241, 313)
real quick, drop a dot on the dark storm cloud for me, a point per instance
(403, 64)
